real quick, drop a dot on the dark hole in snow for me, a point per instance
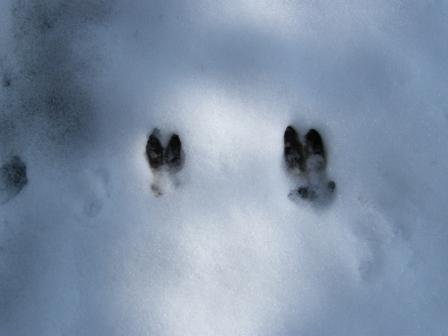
(14, 173)
(6, 82)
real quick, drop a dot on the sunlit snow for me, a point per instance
(87, 249)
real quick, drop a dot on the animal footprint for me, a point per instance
(165, 163)
(13, 178)
(308, 163)
(98, 182)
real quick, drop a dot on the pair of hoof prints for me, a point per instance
(307, 161)
(164, 161)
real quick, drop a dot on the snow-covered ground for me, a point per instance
(86, 248)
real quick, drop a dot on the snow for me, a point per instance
(86, 248)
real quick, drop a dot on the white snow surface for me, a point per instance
(86, 248)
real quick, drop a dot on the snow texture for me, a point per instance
(86, 248)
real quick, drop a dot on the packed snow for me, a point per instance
(87, 249)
